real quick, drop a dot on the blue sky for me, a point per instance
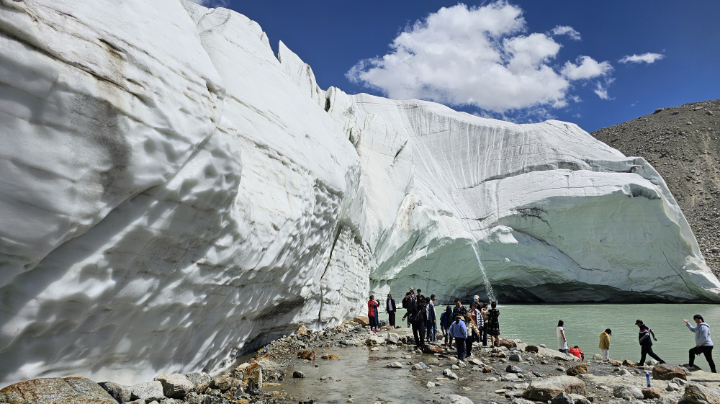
(521, 60)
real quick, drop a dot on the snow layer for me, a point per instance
(176, 194)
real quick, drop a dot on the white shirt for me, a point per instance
(562, 343)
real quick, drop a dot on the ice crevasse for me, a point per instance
(174, 193)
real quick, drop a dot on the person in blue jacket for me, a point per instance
(445, 322)
(459, 332)
(703, 343)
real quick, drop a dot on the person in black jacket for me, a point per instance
(391, 309)
(419, 326)
(459, 309)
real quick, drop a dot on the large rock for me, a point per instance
(651, 393)
(667, 371)
(432, 349)
(200, 380)
(147, 391)
(562, 398)
(699, 394)
(628, 392)
(456, 399)
(546, 389)
(579, 369)
(393, 338)
(507, 343)
(362, 320)
(68, 390)
(117, 391)
(175, 385)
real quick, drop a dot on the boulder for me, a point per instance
(147, 391)
(393, 338)
(455, 399)
(518, 400)
(667, 371)
(579, 369)
(699, 394)
(309, 355)
(476, 361)
(515, 357)
(614, 362)
(362, 320)
(175, 385)
(119, 392)
(302, 330)
(298, 375)
(507, 343)
(579, 399)
(419, 366)
(597, 357)
(628, 392)
(432, 349)
(487, 369)
(531, 348)
(672, 387)
(562, 398)
(450, 374)
(651, 393)
(253, 375)
(67, 390)
(628, 363)
(513, 369)
(202, 380)
(221, 383)
(546, 389)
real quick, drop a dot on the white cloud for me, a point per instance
(601, 89)
(587, 68)
(479, 56)
(566, 30)
(211, 3)
(645, 57)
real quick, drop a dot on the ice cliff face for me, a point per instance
(173, 193)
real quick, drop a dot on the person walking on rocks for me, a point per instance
(493, 324)
(646, 343)
(605, 344)
(391, 310)
(459, 332)
(472, 331)
(562, 341)
(446, 320)
(431, 320)
(703, 343)
(373, 313)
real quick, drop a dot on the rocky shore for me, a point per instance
(349, 363)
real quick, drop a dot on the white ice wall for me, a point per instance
(173, 193)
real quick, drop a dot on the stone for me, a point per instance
(532, 348)
(362, 320)
(395, 365)
(546, 389)
(628, 392)
(147, 391)
(330, 357)
(615, 362)
(515, 357)
(202, 380)
(393, 338)
(298, 375)
(450, 374)
(253, 375)
(597, 357)
(699, 394)
(579, 369)
(476, 361)
(562, 398)
(680, 382)
(672, 387)
(513, 369)
(175, 385)
(419, 366)
(667, 371)
(628, 363)
(221, 383)
(507, 343)
(624, 372)
(67, 390)
(455, 367)
(309, 355)
(651, 393)
(302, 330)
(487, 369)
(430, 384)
(518, 400)
(117, 391)
(510, 377)
(348, 342)
(580, 399)
(456, 399)
(432, 349)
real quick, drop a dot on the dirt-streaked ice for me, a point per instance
(174, 193)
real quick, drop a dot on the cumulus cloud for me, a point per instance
(601, 89)
(644, 58)
(586, 68)
(566, 30)
(479, 56)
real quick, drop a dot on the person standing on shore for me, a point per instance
(646, 343)
(703, 343)
(445, 322)
(459, 309)
(472, 331)
(373, 313)
(480, 322)
(493, 328)
(484, 312)
(459, 332)
(410, 305)
(431, 320)
(391, 309)
(420, 323)
(562, 340)
(605, 343)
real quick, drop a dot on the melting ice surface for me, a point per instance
(177, 194)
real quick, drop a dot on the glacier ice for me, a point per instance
(175, 193)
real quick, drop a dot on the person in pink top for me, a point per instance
(373, 313)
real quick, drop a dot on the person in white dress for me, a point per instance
(562, 341)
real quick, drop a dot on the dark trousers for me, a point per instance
(418, 334)
(460, 345)
(391, 318)
(431, 331)
(705, 350)
(468, 345)
(647, 350)
(484, 336)
(448, 337)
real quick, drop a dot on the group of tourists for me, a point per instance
(646, 336)
(461, 326)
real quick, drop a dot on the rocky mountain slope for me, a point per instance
(683, 145)
(174, 193)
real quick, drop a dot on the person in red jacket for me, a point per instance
(373, 313)
(577, 352)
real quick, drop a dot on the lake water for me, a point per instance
(536, 324)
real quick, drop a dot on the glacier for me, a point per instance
(174, 193)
